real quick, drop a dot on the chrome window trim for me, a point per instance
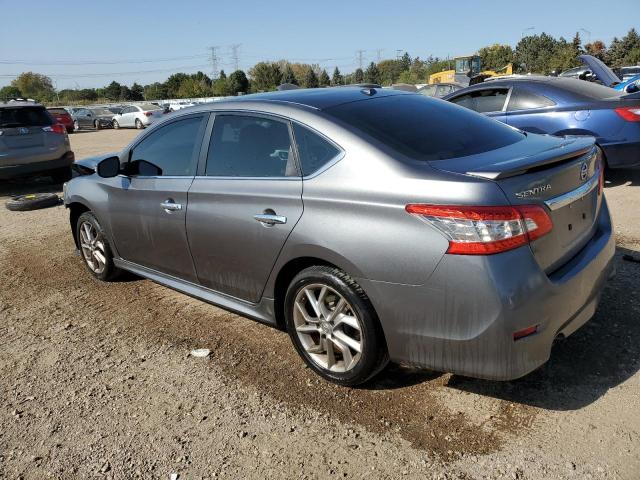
(565, 199)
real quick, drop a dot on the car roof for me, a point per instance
(19, 103)
(316, 98)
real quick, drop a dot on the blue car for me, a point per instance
(562, 106)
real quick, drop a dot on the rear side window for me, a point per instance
(24, 117)
(424, 128)
(248, 146)
(522, 99)
(483, 101)
(314, 151)
(172, 147)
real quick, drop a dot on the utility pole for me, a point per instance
(234, 55)
(588, 35)
(214, 63)
(359, 54)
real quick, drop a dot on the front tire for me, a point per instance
(95, 249)
(334, 327)
(96, 125)
(116, 125)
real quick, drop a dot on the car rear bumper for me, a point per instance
(464, 319)
(13, 171)
(622, 155)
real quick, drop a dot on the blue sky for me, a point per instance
(146, 41)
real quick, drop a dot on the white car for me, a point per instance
(180, 105)
(138, 116)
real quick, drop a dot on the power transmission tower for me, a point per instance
(234, 55)
(359, 54)
(379, 54)
(214, 63)
(398, 54)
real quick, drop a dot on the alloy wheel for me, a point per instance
(328, 328)
(93, 249)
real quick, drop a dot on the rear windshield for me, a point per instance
(585, 89)
(58, 111)
(24, 117)
(101, 111)
(424, 128)
(149, 106)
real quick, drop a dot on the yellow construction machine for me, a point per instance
(468, 72)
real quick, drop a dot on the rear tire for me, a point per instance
(95, 249)
(76, 126)
(139, 125)
(348, 347)
(96, 125)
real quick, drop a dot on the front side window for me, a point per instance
(483, 101)
(172, 148)
(249, 146)
(522, 99)
(313, 150)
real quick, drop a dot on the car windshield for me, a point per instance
(428, 91)
(115, 110)
(424, 128)
(101, 111)
(24, 117)
(149, 106)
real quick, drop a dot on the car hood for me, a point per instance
(600, 70)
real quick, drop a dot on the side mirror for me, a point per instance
(109, 167)
(142, 168)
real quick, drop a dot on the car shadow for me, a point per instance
(627, 176)
(24, 186)
(604, 353)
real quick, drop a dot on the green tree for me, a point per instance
(112, 91)
(9, 91)
(155, 91)
(358, 76)
(173, 84)
(265, 76)
(324, 80)
(310, 79)
(496, 57)
(34, 85)
(405, 62)
(620, 51)
(193, 88)
(389, 71)
(372, 74)
(238, 83)
(336, 78)
(534, 53)
(125, 93)
(137, 92)
(288, 76)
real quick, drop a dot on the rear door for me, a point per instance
(533, 112)
(244, 203)
(148, 211)
(488, 101)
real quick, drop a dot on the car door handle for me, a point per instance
(171, 206)
(270, 219)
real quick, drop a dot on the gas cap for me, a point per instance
(582, 115)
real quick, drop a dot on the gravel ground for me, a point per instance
(96, 381)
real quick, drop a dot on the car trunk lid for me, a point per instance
(559, 174)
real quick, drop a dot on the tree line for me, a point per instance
(541, 53)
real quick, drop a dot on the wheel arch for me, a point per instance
(75, 210)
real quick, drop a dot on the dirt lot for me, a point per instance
(96, 381)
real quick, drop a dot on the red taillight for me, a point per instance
(56, 128)
(630, 114)
(485, 230)
(148, 114)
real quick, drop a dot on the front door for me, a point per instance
(148, 211)
(244, 205)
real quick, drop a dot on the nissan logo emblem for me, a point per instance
(584, 171)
